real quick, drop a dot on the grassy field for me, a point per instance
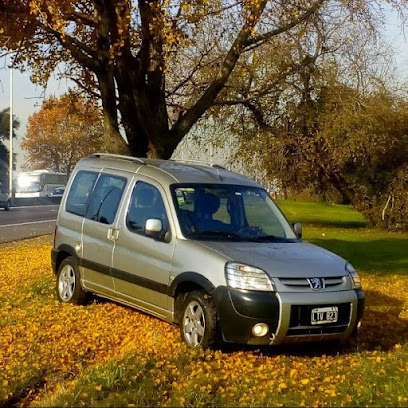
(104, 354)
(344, 231)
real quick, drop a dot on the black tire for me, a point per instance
(7, 206)
(198, 320)
(69, 288)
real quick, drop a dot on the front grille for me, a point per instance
(303, 283)
(300, 320)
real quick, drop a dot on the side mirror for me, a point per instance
(297, 227)
(154, 229)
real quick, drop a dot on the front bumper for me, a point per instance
(285, 314)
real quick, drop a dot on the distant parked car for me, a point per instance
(58, 192)
(4, 199)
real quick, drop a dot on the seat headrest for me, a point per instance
(207, 203)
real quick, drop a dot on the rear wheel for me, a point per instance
(198, 325)
(69, 288)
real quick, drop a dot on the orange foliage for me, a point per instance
(63, 131)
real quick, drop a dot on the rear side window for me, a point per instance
(105, 198)
(79, 193)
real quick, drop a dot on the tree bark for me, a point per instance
(141, 87)
(113, 141)
(105, 13)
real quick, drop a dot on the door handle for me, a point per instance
(113, 234)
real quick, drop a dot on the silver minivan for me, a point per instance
(202, 247)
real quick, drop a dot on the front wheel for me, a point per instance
(69, 288)
(198, 325)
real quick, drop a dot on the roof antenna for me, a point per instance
(217, 168)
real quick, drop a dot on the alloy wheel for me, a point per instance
(66, 284)
(194, 324)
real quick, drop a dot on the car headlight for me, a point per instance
(241, 276)
(354, 276)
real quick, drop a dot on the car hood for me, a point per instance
(295, 260)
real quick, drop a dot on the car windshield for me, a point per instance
(229, 212)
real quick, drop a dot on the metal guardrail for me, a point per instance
(34, 201)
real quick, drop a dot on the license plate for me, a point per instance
(322, 315)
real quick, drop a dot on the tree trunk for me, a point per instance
(105, 14)
(346, 192)
(141, 86)
(113, 141)
(144, 117)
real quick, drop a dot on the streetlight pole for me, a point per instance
(11, 135)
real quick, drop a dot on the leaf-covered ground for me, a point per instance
(105, 354)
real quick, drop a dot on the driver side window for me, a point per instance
(146, 202)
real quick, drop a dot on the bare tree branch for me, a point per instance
(186, 121)
(258, 115)
(81, 52)
(83, 18)
(189, 77)
(245, 101)
(85, 88)
(259, 39)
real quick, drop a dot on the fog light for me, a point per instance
(359, 325)
(260, 329)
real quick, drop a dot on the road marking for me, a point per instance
(26, 223)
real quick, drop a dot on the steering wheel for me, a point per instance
(251, 231)
(190, 222)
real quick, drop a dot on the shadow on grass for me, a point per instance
(382, 326)
(344, 224)
(384, 256)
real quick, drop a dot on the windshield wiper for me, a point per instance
(267, 238)
(218, 233)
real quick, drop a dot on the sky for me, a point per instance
(28, 96)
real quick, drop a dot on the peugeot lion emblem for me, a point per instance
(316, 283)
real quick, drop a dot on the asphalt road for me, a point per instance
(27, 222)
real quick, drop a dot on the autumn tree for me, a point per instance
(160, 63)
(357, 144)
(331, 129)
(322, 114)
(62, 132)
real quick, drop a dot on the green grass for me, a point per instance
(343, 231)
(322, 214)
(115, 384)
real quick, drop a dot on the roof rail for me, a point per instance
(117, 156)
(199, 162)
